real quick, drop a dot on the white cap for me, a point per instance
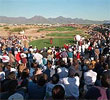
(70, 49)
(16, 52)
(31, 49)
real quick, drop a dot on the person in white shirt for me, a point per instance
(38, 57)
(71, 84)
(79, 49)
(86, 46)
(89, 77)
(83, 48)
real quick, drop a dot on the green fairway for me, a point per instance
(69, 28)
(46, 42)
(66, 34)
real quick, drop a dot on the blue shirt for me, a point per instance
(70, 54)
(35, 91)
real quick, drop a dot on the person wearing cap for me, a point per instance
(50, 55)
(23, 58)
(5, 59)
(17, 57)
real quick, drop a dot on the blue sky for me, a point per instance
(86, 9)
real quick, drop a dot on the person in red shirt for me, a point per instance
(89, 48)
(17, 57)
(66, 46)
(51, 41)
(78, 55)
(58, 55)
(23, 58)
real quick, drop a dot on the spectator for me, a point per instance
(11, 89)
(71, 84)
(5, 59)
(70, 55)
(64, 56)
(38, 57)
(30, 59)
(48, 69)
(12, 59)
(51, 84)
(6, 82)
(62, 71)
(90, 77)
(38, 88)
(58, 93)
(100, 92)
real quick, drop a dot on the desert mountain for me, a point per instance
(43, 20)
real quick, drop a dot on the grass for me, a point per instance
(56, 42)
(66, 34)
(65, 28)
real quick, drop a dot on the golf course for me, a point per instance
(60, 36)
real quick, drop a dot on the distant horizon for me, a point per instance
(52, 17)
(98, 10)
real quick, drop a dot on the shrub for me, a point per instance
(6, 28)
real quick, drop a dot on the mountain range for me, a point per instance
(43, 20)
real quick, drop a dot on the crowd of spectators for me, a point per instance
(72, 72)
